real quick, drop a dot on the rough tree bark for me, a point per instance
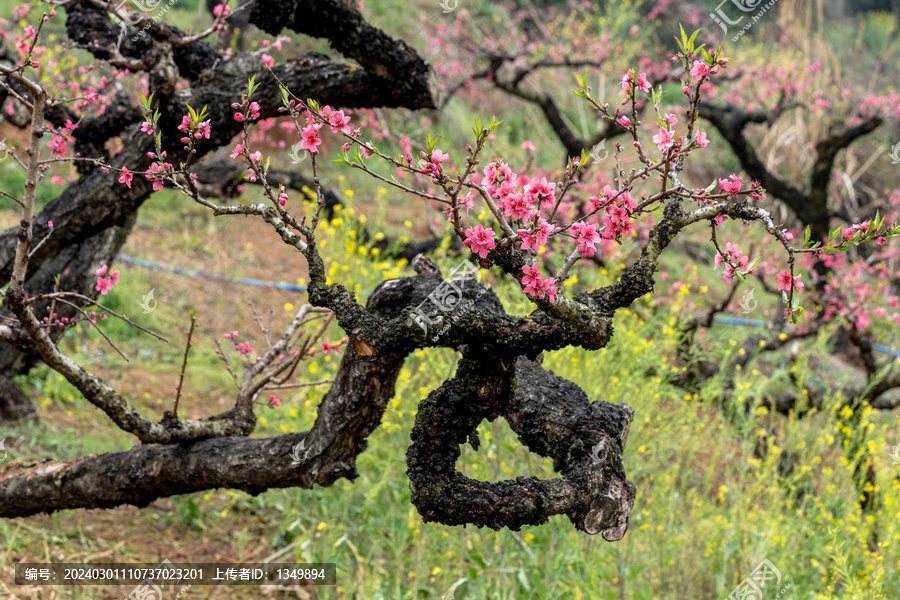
(92, 208)
(552, 416)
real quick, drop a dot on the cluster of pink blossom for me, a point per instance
(733, 258)
(243, 348)
(92, 318)
(195, 130)
(587, 237)
(310, 141)
(60, 138)
(629, 84)
(337, 120)
(665, 139)
(537, 235)
(126, 177)
(158, 172)
(255, 159)
(105, 282)
(480, 240)
(499, 181)
(536, 286)
(541, 192)
(731, 187)
(430, 164)
(618, 208)
(250, 110)
(329, 348)
(786, 282)
(23, 42)
(63, 322)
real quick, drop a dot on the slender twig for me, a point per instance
(187, 349)
(92, 301)
(299, 385)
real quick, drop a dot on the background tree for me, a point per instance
(91, 204)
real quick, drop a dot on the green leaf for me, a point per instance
(693, 37)
(580, 80)
(146, 100)
(430, 143)
(753, 264)
(479, 560)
